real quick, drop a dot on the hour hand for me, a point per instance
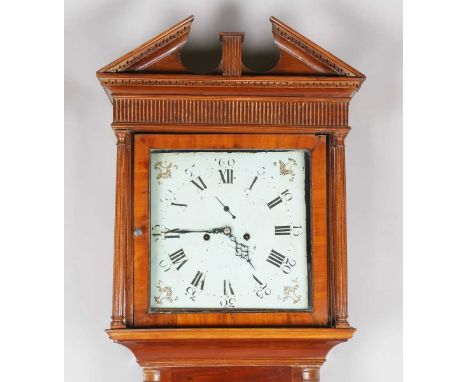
(226, 208)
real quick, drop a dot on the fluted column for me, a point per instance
(122, 225)
(338, 229)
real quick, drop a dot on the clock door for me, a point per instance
(230, 230)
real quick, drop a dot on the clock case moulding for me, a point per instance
(307, 92)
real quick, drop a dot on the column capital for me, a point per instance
(339, 138)
(123, 136)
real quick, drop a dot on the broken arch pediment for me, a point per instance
(297, 55)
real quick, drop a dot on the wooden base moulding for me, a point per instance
(255, 354)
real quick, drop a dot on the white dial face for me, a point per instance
(229, 230)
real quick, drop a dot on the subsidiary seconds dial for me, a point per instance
(230, 230)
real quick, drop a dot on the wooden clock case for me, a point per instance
(301, 103)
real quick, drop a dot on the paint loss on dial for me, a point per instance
(230, 230)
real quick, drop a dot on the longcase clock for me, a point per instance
(230, 231)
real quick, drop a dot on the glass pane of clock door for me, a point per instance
(230, 230)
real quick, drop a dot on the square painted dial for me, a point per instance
(230, 230)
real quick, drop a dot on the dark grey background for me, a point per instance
(367, 34)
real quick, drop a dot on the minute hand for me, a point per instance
(242, 250)
(183, 231)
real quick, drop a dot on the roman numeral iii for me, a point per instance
(288, 230)
(227, 176)
(282, 230)
(199, 183)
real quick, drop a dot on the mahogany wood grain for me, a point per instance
(146, 56)
(300, 54)
(240, 111)
(163, 348)
(313, 55)
(229, 129)
(143, 84)
(218, 334)
(231, 374)
(296, 353)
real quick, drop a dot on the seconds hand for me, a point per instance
(226, 208)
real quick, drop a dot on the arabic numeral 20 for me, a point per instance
(288, 264)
